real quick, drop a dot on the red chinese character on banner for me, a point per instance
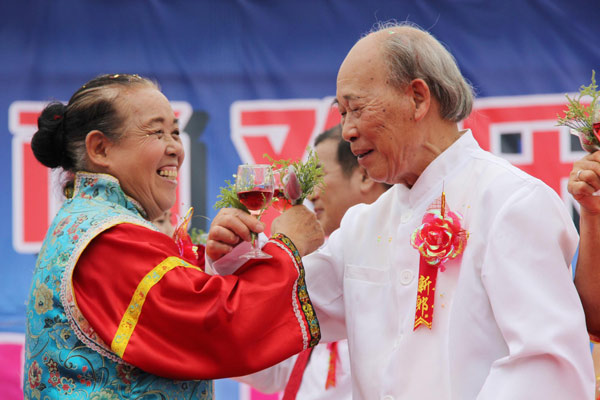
(283, 129)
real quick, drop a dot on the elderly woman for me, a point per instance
(116, 310)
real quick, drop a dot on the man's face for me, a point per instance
(338, 192)
(378, 118)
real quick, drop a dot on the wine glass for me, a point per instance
(281, 202)
(254, 187)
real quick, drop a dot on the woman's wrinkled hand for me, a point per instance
(300, 225)
(228, 228)
(584, 183)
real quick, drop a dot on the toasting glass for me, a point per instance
(280, 200)
(254, 187)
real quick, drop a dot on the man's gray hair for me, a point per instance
(412, 53)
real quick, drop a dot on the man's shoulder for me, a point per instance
(496, 168)
(361, 216)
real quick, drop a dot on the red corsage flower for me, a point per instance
(440, 238)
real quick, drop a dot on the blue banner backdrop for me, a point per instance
(248, 77)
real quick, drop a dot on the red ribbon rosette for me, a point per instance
(440, 238)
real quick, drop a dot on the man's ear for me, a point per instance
(421, 97)
(97, 146)
(366, 184)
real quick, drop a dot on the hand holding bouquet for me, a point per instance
(296, 180)
(584, 121)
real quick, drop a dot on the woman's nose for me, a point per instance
(174, 145)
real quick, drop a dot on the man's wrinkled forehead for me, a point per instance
(362, 67)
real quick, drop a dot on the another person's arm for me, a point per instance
(584, 181)
(270, 380)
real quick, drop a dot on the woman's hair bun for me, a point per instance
(49, 142)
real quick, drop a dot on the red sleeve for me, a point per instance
(166, 316)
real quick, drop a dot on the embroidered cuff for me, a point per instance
(302, 305)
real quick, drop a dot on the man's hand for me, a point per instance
(229, 228)
(301, 226)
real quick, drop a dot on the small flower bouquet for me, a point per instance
(584, 121)
(296, 181)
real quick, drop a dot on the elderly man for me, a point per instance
(323, 372)
(436, 306)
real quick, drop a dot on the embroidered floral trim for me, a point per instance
(82, 178)
(77, 321)
(134, 310)
(301, 300)
(57, 364)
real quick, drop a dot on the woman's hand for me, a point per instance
(230, 227)
(301, 226)
(584, 182)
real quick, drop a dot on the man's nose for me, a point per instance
(316, 192)
(349, 131)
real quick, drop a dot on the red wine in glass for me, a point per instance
(254, 187)
(281, 202)
(255, 200)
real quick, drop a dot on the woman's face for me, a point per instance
(147, 158)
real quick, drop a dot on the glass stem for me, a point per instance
(254, 235)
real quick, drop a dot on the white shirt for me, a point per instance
(275, 379)
(508, 323)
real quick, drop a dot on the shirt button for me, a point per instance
(405, 217)
(406, 277)
(388, 397)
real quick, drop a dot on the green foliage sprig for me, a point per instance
(228, 198)
(309, 172)
(580, 117)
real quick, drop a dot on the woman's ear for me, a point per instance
(97, 146)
